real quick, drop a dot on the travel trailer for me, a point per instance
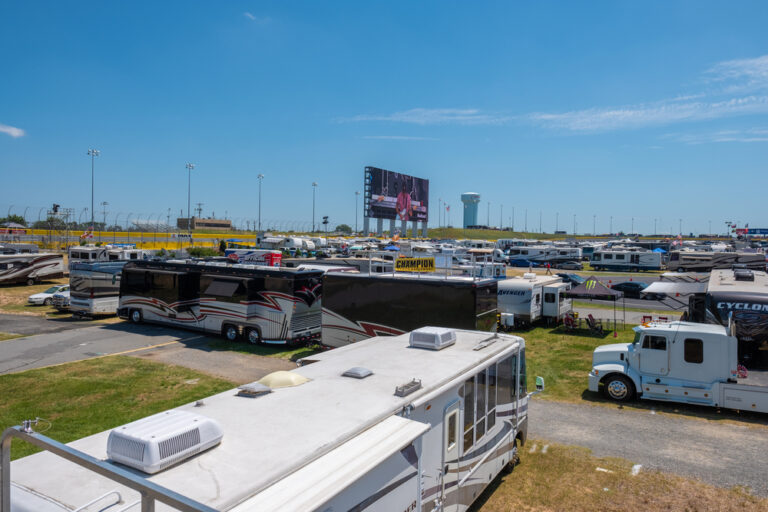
(92, 254)
(626, 260)
(265, 257)
(417, 422)
(364, 265)
(535, 253)
(704, 261)
(358, 306)
(30, 268)
(679, 362)
(260, 304)
(524, 300)
(95, 287)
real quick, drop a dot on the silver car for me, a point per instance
(46, 297)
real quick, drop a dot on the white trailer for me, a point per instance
(628, 261)
(524, 300)
(30, 268)
(417, 422)
(679, 362)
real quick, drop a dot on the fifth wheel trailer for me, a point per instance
(30, 268)
(417, 422)
(524, 300)
(359, 306)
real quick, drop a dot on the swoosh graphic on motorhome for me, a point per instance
(370, 500)
(368, 329)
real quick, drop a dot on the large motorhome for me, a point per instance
(535, 253)
(93, 253)
(524, 300)
(704, 261)
(30, 268)
(357, 306)
(95, 287)
(626, 260)
(418, 422)
(261, 304)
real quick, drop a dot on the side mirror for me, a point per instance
(539, 383)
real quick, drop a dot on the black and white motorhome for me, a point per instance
(30, 268)
(93, 254)
(523, 300)
(262, 304)
(626, 260)
(418, 422)
(704, 261)
(95, 287)
(359, 306)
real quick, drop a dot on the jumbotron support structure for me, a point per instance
(470, 200)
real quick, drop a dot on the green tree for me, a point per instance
(344, 228)
(18, 219)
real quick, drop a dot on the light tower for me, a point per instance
(470, 200)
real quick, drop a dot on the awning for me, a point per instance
(675, 288)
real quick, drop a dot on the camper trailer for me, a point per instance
(524, 300)
(626, 260)
(30, 268)
(358, 306)
(417, 422)
(704, 261)
(265, 257)
(95, 287)
(260, 304)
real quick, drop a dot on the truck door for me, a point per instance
(449, 480)
(654, 355)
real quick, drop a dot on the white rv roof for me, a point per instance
(269, 438)
(528, 282)
(725, 281)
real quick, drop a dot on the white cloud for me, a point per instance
(396, 137)
(425, 116)
(12, 131)
(742, 74)
(744, 136)
(260, 20)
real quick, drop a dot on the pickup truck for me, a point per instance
(679, 362)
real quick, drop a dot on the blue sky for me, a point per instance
(652, 110)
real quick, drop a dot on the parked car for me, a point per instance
(523, 263)
(570, 265)
(46, 297)
(60, 300)
(632, 289)
(574, 279)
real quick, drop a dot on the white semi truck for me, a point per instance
(679, 362)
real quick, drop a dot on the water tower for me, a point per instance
(470, 200)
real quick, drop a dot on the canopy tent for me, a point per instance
(391, 248)
(591, 288)
(659, 249)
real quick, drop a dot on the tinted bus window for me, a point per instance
(469, 413)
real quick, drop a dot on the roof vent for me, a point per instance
(433, 338)
(162, 440)
(253, 390)
(408, 388)
(743, 275)
(358, 372)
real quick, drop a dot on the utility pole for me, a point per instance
(189, 167)
(526, 221)
(574, 224)
(594, 217)
(680, 226)
(610, 226)
(261, 178)
(540, 221)
(104, 211)
(557, 220)
(501, 217)
(512, 223)
(357, 193)
(489, 214)
(93, 153)
(314, 187)
(199, 210)
(633, 225)
(439, 209)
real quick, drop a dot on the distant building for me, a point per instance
(197, 223)
(470, 200)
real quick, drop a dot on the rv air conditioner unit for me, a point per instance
(433, 338)
(162, 440)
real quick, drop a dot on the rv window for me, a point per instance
(481, 403)
(674, 256)
(522, 380)
(523, 252)
(221, 288)
(506, 379)
(469, 413)
(452, 430)
(549, 298)
(491, 396)
(134, 256)
(655, 342)
(607, 256)
(112, 257)
(693, 351)
(619, 256)
(538, 299)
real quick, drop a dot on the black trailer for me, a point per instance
(360, 306)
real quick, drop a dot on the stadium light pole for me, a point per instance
(314, 189)
(189, 167)
(93, 153)
(261, 178)
(357, 198)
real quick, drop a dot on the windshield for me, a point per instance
(637, 337)
(52, 289)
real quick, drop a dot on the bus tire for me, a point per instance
(253, 336)
(30, 281)
(230, 332)
(135, 316)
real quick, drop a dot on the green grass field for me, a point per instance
(83, 398)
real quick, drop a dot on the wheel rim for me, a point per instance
(135, 316)
(618, 389)
(47, 302)
(231, 333)
(253, 336)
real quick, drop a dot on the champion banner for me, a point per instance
(415, 264)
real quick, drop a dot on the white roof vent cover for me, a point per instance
(433, 338)
(162, 440)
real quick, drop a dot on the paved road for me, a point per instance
(28, 324)
(717, 453)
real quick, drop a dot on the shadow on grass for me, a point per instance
(688, 410)
(581, 332)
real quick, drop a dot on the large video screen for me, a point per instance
(393, 195)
